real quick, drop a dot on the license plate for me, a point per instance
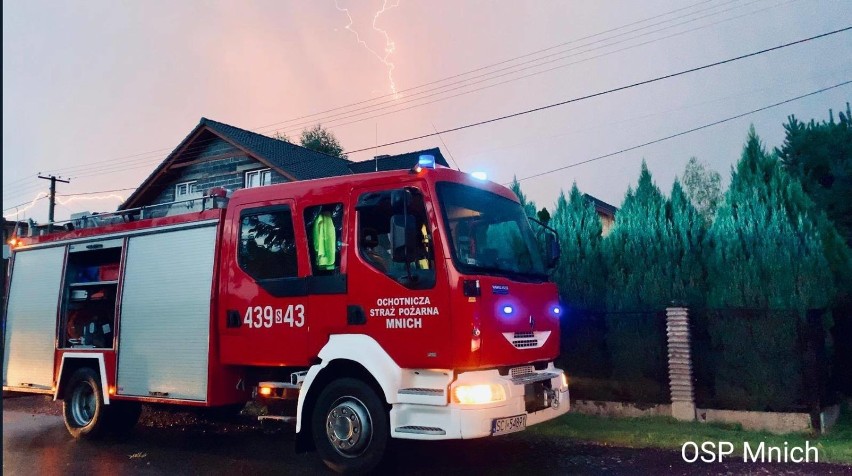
(501, 426)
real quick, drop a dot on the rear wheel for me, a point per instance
(83, 406)
(350, 426)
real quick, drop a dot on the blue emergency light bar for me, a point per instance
(427, 161)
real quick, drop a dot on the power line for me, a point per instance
(100, 191)
(576, 99)
(575, 164)
(559, 56)
(482, 68)
(519, 77)
(689, 131)
(147, 159)
(608, 91)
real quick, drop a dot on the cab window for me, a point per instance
(324, 227)
(376, 214)
(267, 243)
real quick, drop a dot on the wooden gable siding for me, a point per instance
(211, 162)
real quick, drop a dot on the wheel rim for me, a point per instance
(348, 426)
(83, 404)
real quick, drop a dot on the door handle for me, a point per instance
(355, 315)
(233, 318)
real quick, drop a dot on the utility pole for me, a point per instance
(53, 179)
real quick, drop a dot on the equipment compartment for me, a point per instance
(89, 298)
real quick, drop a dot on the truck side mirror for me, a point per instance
(403, 237)
(553, 250)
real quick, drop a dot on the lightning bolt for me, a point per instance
(390, 46)
(38, 197)
(60, 201)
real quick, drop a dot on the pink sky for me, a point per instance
(88, 83)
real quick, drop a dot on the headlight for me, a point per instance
(479, 394)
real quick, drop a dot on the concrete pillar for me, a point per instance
(680, 363)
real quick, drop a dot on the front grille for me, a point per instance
(527, 340)
(521, 371)
(534, 377)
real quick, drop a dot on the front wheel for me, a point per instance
(83, 406)
(350, 426)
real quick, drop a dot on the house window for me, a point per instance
(184, 189)
(258, 178)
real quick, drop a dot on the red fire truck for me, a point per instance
(405, 304)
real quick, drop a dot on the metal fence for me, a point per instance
(616, 356)
(742, 359)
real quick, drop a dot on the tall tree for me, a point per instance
(529, 205)
(280, 135)
(580, 273)
(820, 156)
(639, 282)
(703, 187)
(687, 249)
(767, 252)
(638, 252)
(322, 140)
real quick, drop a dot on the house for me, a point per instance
(220, 155)
(605, 211)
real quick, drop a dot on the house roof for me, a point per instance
(383, 163)
(295, 160)
(291, 160)
(600, 205)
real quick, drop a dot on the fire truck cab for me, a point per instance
(406, 304)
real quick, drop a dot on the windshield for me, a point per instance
(488, 233)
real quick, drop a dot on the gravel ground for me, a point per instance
(180, 442)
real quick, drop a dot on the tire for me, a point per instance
(83, 405)
(123, 416)
(350, 426)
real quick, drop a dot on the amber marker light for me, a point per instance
(265, 391)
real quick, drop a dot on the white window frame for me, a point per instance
(191, 189)
(261, 174)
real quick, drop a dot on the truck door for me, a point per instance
(266, 316)
(399, 296)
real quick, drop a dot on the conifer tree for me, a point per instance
(767, 249)
(580, 273)
(688, 235)
(639, 278)
(767, 254)
(638, 250)
(529, 205)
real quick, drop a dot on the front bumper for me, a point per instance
(456, 421)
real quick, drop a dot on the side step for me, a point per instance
(421, 430)
(282, 419)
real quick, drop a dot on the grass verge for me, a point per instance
(664, 432)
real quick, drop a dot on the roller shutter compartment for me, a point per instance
(31, 318)
(165, 314)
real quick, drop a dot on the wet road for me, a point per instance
(36, 443)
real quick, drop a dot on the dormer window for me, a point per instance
(184, 190)
(258, 178)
